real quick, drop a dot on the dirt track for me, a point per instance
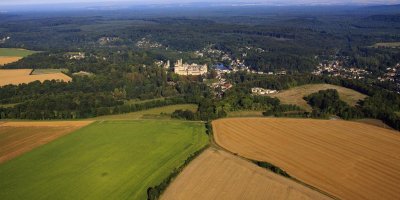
(17, 138)
(349, 160)
(216, 174)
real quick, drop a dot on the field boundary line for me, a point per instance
(213, 143)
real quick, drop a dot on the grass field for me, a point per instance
(48, 71)
(138, 101)
(17, 138)
(349, 160)
(387, 44)
(216, 174)
(10, 55)
(154, 113)
(105, 160)
(19, 76)
(10, 105)
(295, 95)
(14, 52)
(245, 113)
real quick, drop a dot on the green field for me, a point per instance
(48, 71)
(154, 113)
(138, 101)
(15, 52)
(105, 160)
(245, 113)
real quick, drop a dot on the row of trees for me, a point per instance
(327, 102)
(381, 103)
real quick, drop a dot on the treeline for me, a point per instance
(286, 110)
(327, 102)
(153, 193)
(61, 106)
(126, 108)
(272, 168)
(79, 106)
(381, 102)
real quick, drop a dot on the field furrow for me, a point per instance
(216, 174)
(346, 159)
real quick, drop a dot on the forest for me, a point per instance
(121, 51)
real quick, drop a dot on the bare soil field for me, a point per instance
(17, 138)
(19, 76)
(295, 95)
(216, 174)
(8, 59)
(348, 160)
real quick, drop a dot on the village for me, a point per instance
(336, 69)
(392, 74)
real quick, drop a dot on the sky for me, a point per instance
(267, 2)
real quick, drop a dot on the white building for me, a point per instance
(262, 91)
(189, 69)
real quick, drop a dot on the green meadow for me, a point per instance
(105, 160)
(15, 52)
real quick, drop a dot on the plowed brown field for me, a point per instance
(8, 59)
(17, 138)
(349, 160)
(219, 175)
(19, 76)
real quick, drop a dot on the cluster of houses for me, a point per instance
(5, 39)
(75, 55)
(221, 86)
(262, 91)
(107, 40)
(336, 69)
(147, 43)
(165, 64)
(392, 74)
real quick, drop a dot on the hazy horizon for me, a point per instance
(273, 2)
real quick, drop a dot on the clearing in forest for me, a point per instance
(10, 55)
(216, 174)
(104, 160)
(348, 160)
(295, 95)
(17, 138)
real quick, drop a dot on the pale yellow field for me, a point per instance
(295, 95)
(387, 45)
(17, 138)
(19, 76)
(348, 160)
(8, 59)
(218, 175)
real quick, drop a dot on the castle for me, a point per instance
(186, 69)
